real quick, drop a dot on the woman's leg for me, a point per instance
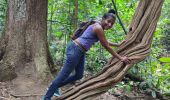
(79, 70)
(72, 60)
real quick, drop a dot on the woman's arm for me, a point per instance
(100, 34)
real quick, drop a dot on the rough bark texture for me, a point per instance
(137, 47)
(75, 15)
(24, 49)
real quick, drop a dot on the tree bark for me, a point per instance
(137, 47)
(75, 17)
(25, 41)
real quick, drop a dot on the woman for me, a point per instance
(76, 50)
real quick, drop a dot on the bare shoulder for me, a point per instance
(97, 27)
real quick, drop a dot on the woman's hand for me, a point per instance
(125, 60)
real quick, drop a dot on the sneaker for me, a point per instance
(57, 92)
(42, 98)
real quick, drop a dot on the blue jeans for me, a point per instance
(75, 58)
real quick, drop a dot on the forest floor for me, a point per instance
(26, 88)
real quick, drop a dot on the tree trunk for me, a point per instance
(137, 47)
(75, 17)
(25, 48)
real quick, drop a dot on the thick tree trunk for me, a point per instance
(136, 47)
(75, 15)
(25, 50)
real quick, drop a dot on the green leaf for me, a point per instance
(128, 88)
(165, 59)
(153, 94)
(58, 34)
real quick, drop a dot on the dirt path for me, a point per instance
(22, 88)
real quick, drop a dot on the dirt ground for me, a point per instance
(26, 88)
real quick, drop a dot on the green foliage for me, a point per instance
(154, 94)
(124, 87)
(164, 26)
(3, 7)
(165, 59)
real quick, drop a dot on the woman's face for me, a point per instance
(108, 23)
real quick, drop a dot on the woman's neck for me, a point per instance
(100, 22)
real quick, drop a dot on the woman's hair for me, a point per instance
(110, 13)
